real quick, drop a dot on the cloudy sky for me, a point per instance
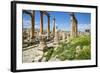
(62, 20)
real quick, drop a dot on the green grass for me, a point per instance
(82, 41)
(85, 53)
(67, 51)
(48, 53)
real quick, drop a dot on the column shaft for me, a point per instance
(48, 26)
(54, 27)
(41, 22)
(33, 22)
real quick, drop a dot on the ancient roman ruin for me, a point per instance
(48, 39)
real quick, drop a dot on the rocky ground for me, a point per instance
(32, 53)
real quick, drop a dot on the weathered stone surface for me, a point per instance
(53, 27)
(42, 44)
(63, 37)
(28, 55)
(32, 55)
(56, 38)
(38, 56)
(74, 29)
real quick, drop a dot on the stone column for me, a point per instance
(63, 37)
(33, 22)
(74, 30)
(56, 37)
(53, 26)
(42, 45)
(41, 22)
(42, 37)
(48, 30)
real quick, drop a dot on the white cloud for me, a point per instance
(82, 27)
(37, 26)
(26, 23)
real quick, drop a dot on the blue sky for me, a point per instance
(62, 20)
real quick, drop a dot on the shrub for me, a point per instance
(67, 51)
(85, 53)
(48, 53)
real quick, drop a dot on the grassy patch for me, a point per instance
(67, 51)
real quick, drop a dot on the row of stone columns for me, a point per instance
(32, 14)
(74, 30)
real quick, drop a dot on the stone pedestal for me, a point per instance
(56, 38)
(48, 36)
(42, 45)
(63, 37)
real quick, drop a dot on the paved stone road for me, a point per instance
(30, 54)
